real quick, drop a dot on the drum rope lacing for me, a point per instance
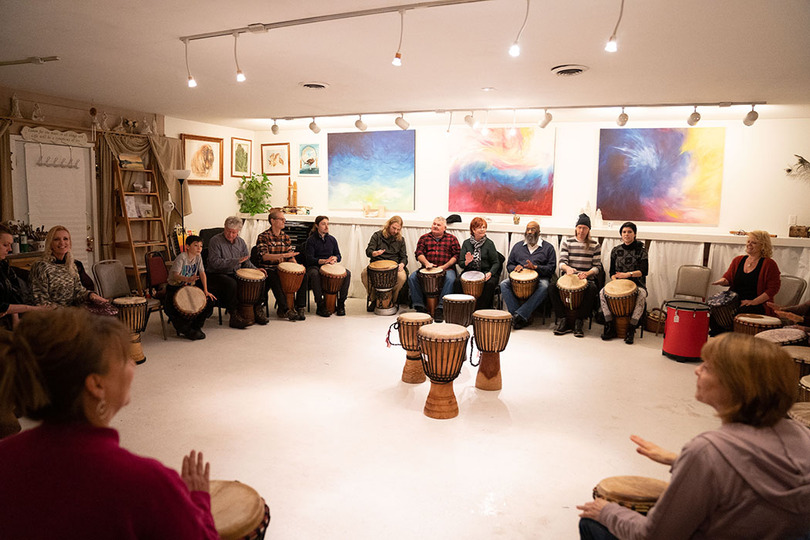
(472, 343)
(388, 342)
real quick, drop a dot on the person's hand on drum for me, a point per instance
(518, 269)
(723, 282)
(401, 266)
(787, 315)
(653, 451)
(243, 259)
(191, 280)
(331, 260)
(582, 275)
(429, 265)
(96, 299)
(747, 303)
(487, 276)
(211, 296)
(468, 258)
(377, 252)
(592, 509)
(530, 265)
(195, 472)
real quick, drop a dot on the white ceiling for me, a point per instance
(685, 51)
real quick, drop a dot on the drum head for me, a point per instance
(758, 320)
(336, 269)
(459, 298)
(443, 331)
(129, 301)
(571, 282)
(250, 274)
(801, 413)
(632, 488)
(414, 316)
(619, 288)
(492, 314)
(687, 305)
(189, 299)
(291, 267)
(524, 275)
(784, 335)
(723, 298)
(238, 509)
(473, 275)
(796, 352)
(382, 265)
(434, 270)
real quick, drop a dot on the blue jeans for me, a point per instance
(590, 529)
(418, 296)
(529, 306)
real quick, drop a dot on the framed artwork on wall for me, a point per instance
(309, 159)
(203, 157)
(241, 157)
(276, 159)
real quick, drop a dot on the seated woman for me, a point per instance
(13, 296)
(387, 244)
(72, 370)
(55, 278)
(188, 270)
(747, 479)
(478, 253)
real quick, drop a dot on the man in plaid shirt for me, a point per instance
(274, 247)
(438, 248)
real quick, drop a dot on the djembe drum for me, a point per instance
(382, 276)
(801, 356)
(133, 312)
(524, 283)
(723, 307)
(458, 309)
(239, 511)
(753, 323)
(332, 276)
(472, 283)
(443, 348)
(431, 280)
(249, 290)
(291, 275)
(491, 329)
(638, 493)
(801, 413)
(189, 301)
(804, 388)
(572, 291)
(408, 325)
(784, 336)
(620, 297)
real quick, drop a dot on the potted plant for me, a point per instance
(254, 194)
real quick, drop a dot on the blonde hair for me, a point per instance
(764, 239)
(392, 219)
(759, 376)
(48, 255)
(48, 357)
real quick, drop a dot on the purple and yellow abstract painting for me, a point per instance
(372, 169)
(502, 172)
(661, 175)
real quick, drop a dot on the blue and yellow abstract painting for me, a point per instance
(502, 171)
(372, 169)
(661, 175)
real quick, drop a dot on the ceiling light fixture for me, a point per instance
(314, 127)
(514, 50)
(611, 45)
(546, 120)
(401, 122)
(751, 117)
(622, 119)
(274, 127)
(450, 123)
(359, 124)
(191, 82)
(513, 129)
(397, 61)
(470, 119)
(694, 118)
(240, 77)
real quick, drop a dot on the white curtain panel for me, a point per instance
(720, 256)
(251, 229)
(607, 246)
(665, 259)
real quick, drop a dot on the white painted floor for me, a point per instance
(314, 416)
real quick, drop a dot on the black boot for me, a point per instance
(340, 309)
(260, 314)
(610, 331)
(369, 304)
(578, 324)
(631, 333)
(562, 327)
(322, 309)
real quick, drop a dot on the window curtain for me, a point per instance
(665, 259)
(6, 199)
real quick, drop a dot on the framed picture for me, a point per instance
(203, 159)
(309, 159)
(276, 159)
(241, 157)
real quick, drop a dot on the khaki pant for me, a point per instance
(401, 277)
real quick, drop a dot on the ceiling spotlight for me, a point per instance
(513, 130)
(314, 127)
(397, 61)
(450, 123)
(240, 77)
(359, 124)
(191, 82)
(546, 120)
(751, 117)
(470, 120)
(514, 50)
(694, 118)
(611, 45)
(622, 119)
(401, 122)
(274, 127)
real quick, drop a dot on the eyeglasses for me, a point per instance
(280, 219)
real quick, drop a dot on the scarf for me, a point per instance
(476, 244)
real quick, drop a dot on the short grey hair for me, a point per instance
(441, 220)
(233, 223)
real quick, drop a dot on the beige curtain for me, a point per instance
(169, 156)
(6, 199)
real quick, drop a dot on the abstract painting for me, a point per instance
(661, 174)
(503, 171)
(371, 170)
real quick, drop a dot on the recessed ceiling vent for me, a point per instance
(569, 70)
(314, 85)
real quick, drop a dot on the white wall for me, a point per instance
(756, 192)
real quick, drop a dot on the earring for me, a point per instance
(101, 409)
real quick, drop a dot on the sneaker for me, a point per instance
(630, 335)
(302, 313)
(237, 321)
(291, 315)
(519, 322)
(578, 328)
(609, 332)
(562, 327)
(438, 316)
(195, 334)
(340, 310)
(260, 314)
(420, 309)
(282, 314)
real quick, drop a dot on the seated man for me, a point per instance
(322, 248)
(274, 247)
(438, 248)
(582, 256)
(628, 260)
(535, 254)
(387, 244)
(227, 253)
